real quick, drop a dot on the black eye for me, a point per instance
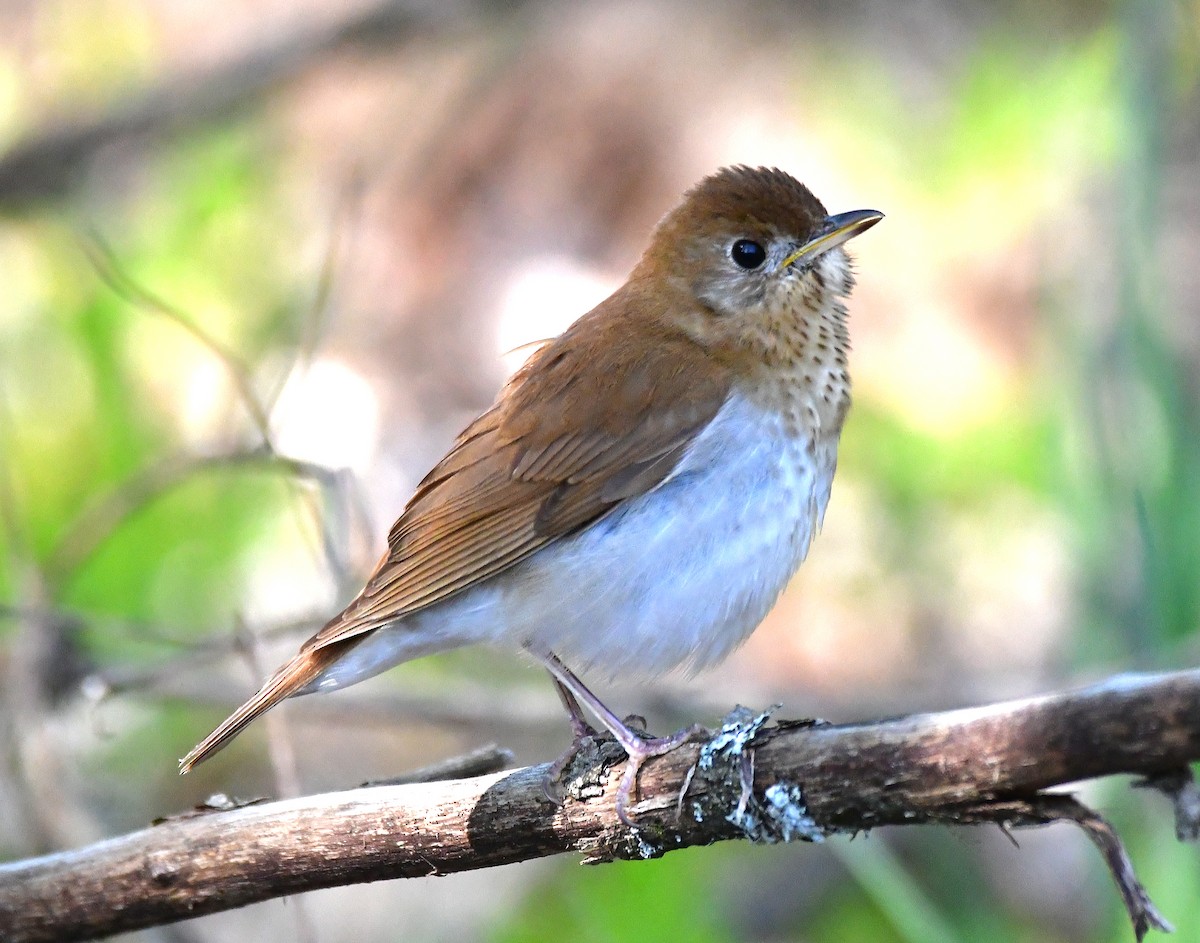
(748, 254)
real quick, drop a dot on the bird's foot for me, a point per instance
(629, 734)
(639, 749)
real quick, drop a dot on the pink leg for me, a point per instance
(638, 748)
(578, 724)
(552, 781)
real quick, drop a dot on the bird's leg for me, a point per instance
(578, 724)
(552, 781)
(637, 748)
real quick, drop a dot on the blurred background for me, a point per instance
(260, 262)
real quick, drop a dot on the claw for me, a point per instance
(552, 784)
(638, 753)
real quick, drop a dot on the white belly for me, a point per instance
(677, 577)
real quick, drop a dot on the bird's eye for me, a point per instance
(748, 254)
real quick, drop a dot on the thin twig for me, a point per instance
(110, 271)
(1045, 809)
(342, 229)
(111, 510)
(480, 762)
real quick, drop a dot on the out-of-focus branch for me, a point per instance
(110, 510)
(48, 163)
(109, 268)
(788, 781)
(462, 703)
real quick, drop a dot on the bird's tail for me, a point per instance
(290, 679)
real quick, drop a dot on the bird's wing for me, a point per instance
(291, 677)
(581, 428)
(573, 435)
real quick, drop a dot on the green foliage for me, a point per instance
(178, 559)
(1026, 121)
(888, 887)
(88, 429)
(908, 465)
(678, 897)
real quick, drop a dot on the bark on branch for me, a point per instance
(769, 783)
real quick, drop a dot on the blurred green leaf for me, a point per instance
(1022, 128)
(674, 898)
(180, 559)
(909, 466)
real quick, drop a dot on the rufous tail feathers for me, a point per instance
(288, 680)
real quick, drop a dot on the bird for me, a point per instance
(641, 491)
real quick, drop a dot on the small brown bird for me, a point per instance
(642, 490)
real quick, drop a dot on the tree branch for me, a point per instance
(48, 163)
(792, 780)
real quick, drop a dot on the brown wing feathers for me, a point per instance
(564, 443)
(286, 681)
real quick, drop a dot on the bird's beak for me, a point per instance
(835, 230)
